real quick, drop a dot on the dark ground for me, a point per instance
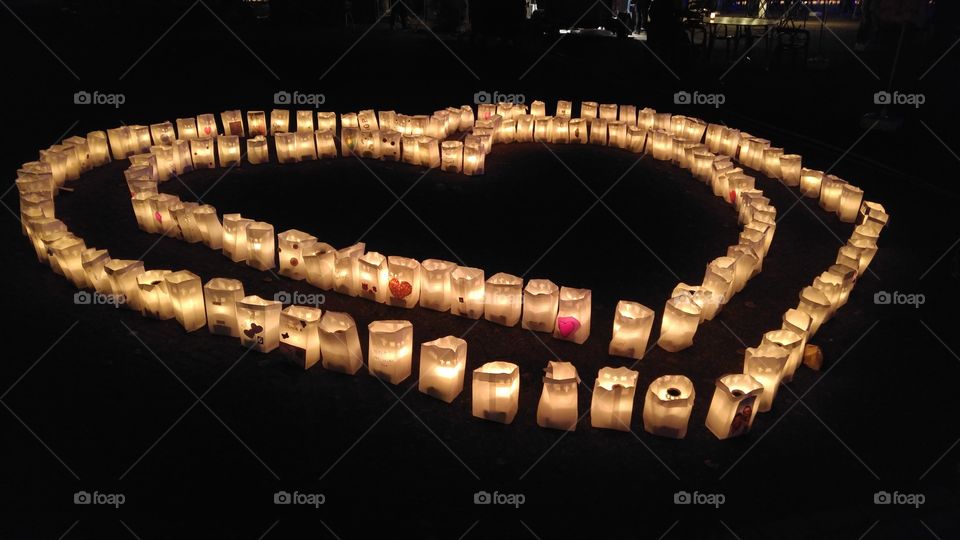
(881, 417)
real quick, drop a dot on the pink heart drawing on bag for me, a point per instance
(567, 325)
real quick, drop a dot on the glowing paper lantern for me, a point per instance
(257, 150)
(326, 147)
(388, 119)
(82, 150)
(790, 169)
(612, 403)
(542, 129)
(598, 131)
(451, 156)
(796, 322)
(564, 108)
(326, 121)
(182, 160)
(261, 253)
(524, 128)
(183, 214)
(617, 134)
(391, 350)
(305, 121)
(339, 343)
(390, 145)
(831, 188)
(628, 115)
(667, 407)
(234, 237)
(632, 324)
(503, 298)
(411, 150)
(474, 160)
(538, 108)
(733, 406)
(320, 261)
(99, 148)
(851, 198)
(681, 316)
(257, 123)
(154, 295)
(228, 147)
(374, 276)
(42, 230)
(346, 262)
(558, 401)
(93, 262)
(207, 126)
(186, 298)
(846, 277)
(496, 391)
(766, 364)
(428, 150)
(161, 206)
(211, 231)
(541, 300)
(279, 121)
(719, 278)
(66, 258)
(300, 335)
(221, 296)
(573, 315)
(403, 285)
(292, 245)
(232, 123)
(123, 274)
(815, 304)
(770, 159)
(436, 289)
(507, 132)
(466, 292)
(442, 366)
(578, 131)
(789, 341)
(259, 323)
(201, 153)
(810, 183)
(708, 302)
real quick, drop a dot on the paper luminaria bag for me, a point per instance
(573, 315)
(541, 300)
(681, 316)
(667, 407)
(443, 364)
(339, 343)
(496, 391)
(503, 298)
(632, 324)
(558, 401)
(220, 297)
(259, 323)
(467, 292)
(734, 405)
(300, 335)
(390, 354)
(186, 297)
(766, 364)
(291, 246)
(435, 285)
(403, 285)
(611, 406)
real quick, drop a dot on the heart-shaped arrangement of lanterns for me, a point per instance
(457, 140)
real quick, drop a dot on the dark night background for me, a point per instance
(880, 416)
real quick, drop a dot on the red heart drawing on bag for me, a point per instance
(733, 196)
(206, 130)
(254, 330)
(567, 325)
(400, 289)
(158, 217)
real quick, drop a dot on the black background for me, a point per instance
(880, 416)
